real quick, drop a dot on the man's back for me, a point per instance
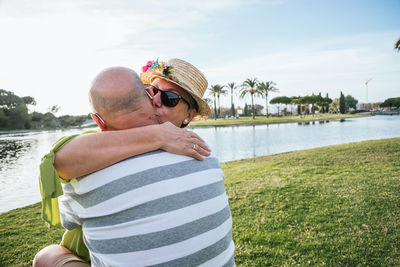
(157, 208)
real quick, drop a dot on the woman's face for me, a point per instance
(177, 114)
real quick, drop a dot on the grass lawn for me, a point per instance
(333, 206)
(338, 205)
(271, 120)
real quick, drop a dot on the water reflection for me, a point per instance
(12, 150)
(20, 155)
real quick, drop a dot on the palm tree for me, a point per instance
(216, 91)
(232, 86)
(250, 86)
(213, 93)
(220, 91)
(265, 88)
(397, 46)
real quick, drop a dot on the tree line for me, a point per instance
(14, 114)
(253, 87)
(391, 103)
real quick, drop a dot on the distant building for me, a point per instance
(369, 106)
(361, 106)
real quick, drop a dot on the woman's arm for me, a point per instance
(91, 152)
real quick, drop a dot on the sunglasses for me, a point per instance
(168, 98)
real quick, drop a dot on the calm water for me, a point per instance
(20, 153)
(238, 142)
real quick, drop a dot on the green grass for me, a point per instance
(334, 206)
(338, 205)
(272, 120)
(22, 234)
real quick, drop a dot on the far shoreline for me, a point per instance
(262, 120)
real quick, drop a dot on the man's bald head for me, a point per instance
(118, 96)
(116, 89)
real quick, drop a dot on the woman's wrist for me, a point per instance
(154, 135)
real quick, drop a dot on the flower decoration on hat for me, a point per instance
(159, 67)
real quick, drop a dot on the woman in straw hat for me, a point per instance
(175, 88)
(187, 80)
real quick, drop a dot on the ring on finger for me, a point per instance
(194, 146)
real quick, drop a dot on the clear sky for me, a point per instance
(51, 50)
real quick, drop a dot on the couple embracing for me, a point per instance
(148, 191)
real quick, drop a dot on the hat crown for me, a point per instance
(189, 76)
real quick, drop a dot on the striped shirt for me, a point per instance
(156, 209)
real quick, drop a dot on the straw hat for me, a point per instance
(183, 74)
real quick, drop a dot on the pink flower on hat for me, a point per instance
(147, 66)
(161, 67)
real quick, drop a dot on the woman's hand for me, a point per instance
(181, 141)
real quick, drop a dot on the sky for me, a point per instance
(52, 50)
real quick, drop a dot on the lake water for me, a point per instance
(238, 142)
(20, 153)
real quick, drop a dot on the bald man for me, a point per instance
(156, 208)
(119, 96)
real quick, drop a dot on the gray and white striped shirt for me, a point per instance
(154, 209)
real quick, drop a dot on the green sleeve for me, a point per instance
(50, 186)
(73, 240)
(49, 181)
(50, 189)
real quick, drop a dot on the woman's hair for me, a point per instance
(193, 103)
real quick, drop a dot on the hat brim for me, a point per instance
(204, 109)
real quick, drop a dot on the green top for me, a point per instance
(50, 189)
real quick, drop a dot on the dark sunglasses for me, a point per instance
(168, 98)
